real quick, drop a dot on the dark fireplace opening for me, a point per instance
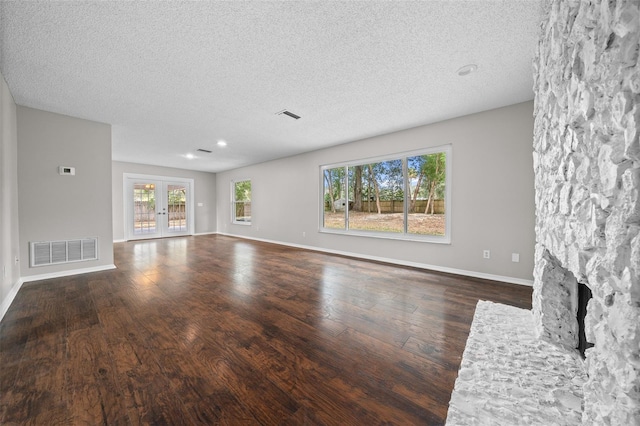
(584, 294)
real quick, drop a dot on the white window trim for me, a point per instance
(445, 239)
(233, 203)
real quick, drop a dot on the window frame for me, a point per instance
(403, 156)
(234, 202)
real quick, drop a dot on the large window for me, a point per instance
(241, 202)
(402, 196)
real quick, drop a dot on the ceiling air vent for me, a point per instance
(289, 113)
(204, 150)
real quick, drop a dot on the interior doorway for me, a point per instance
(157, 206)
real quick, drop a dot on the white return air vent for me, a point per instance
(55, 252)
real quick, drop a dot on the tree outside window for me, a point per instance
(426, 179)
(376, 192)
(241, 202)
(404, 196)
(334, 198)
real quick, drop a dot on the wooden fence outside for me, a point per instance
(142, 209)
(395, 206)
(243, 209)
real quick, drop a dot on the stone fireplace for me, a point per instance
(587, 183)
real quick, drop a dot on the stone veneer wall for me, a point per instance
(587, 179)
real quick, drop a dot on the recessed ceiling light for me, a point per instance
(190, 156)
(467, 69)
(222, 143)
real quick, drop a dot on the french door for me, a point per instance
(157, 208)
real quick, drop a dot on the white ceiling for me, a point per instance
(172, 77)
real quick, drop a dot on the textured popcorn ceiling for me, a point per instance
(172, 77)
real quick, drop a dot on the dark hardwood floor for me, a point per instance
(218, 330)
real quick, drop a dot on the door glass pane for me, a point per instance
(334, 199)
(426, 213)
(144, 207)
(177, 207)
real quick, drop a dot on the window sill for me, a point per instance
(389, 236)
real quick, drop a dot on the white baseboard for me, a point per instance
(9, 299)
(474, 274)
(6, 303)
(195, 235)
(67, 273)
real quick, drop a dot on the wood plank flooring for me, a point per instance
(219, 330)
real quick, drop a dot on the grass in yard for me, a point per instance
(419, 223)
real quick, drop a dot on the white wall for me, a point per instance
(10, 243)
(54, 207)
(492, 201)
(204, 192)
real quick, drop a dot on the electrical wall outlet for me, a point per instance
(515, 257)
(486, 254)
(304, 234)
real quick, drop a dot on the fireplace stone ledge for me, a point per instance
(510, 377)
